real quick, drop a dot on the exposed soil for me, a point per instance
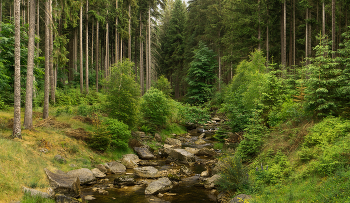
(79, 134)
(87, 120)
(51, 122)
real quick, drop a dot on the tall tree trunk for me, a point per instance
(81, 66)
(52, 76)
(147, 58)
(267, 37)
(294, 52)
(37, 27)
(129, 32)
(106, 59)
(284, 34)
(281, 35)
(141, 58)
(116, 34)
(47, 60)
(121, 49)
(87, 49)
(290, 42)
(0, 13)
(97, 59)
(149, 48)
(333, 28)
(323, 19)
(307, 37)
(75, 50)
(17, 79)
(259, 32)
(92, 41)
(28, 121)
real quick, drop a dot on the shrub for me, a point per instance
(155, 108)
(233, 174)
(164, 85)
(288, 111)
(193, 114)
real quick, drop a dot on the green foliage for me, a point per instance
(111, 135)
(123, 93)
(288, 111)
(193, 114)
(233, 174)
(201, 75)
(164, 85)
(321, 91)
(27, 198)
(155, 108)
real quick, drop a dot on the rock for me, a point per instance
(60, 198)
(206, 152)
(174, 142)
(104, 192)
(60, 159)
(148, 163)
(200, 142)
(85, 175)
(89, 197)
(158, 137)
(139, 134)
(181, 155)
(185, 170)
(146, 172)
(34, 192)
(116, 167)
(97, 173)
(124, 181)
(64, 184)
(210, 182)
(202, 136)
(160, 185)
(130, 160)
(205, 174)
(240, 198)
(223, 197)
(103, 168)
(192, 150)
(143, 153)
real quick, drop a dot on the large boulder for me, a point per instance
(158, 137)
(240, 198)
(181, 155)
(115, 167)
(103, 168)
(192, 150)
(60, 198)
(124, 181)
(85, 175)
(210, 182)
(97, 173)
(200, 141)
(62, 183)
(130, 160)
(174, 142)
(143, 153)
(160, 185)
(206, 152)
(146, 172)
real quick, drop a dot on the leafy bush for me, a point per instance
(123, 93)
(233, 174)
(193, 114)
(287, 111)
(155, 108)
(164, 85)
(112, 135)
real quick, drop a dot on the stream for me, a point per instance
(188, 189)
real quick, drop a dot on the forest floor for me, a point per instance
(22, 161)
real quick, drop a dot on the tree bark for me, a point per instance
(47, 61)
(294, 52)
(75, 50)
(52, 76)
(106, 59)
(87, 49)
(92, 41)
(129, 32)
(259, 32)
(284, 34)
(307, 37)
(141, 58)
(147, 58)
(149, 47)
(267, 37)
(28, 121)
(333, 28)
(0, 14)
(116, 34)
(37, 28)
(81, 65)
(310, 36)
(323, 19)
(17, 79)
(97, 59)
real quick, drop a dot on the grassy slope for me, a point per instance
(296, 180)
(22, 164)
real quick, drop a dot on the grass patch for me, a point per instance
(173, 128)
(27, 198)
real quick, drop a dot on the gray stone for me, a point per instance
(60, 198)
(60, 159)
(34, 192)
(148, 163)
(185, 170)
(103, 168)
(210, 182)
(85, 175)
(130, 160)
(206, 152)
(160, 185)
(146, 172)
(124, 181)
(181, 155)
(158, 137)
(202, 136)
(240, 198)
(143, 153)
(200, 142)
(89, 197)
(192, 150)
(174, 142)
(64, 184)
(205, 173)
(97, 173)
(116, 167)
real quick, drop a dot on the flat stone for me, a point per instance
(116, 167)
(34, 192)
(103, 168)
(97, 173)
(143, 153)
(130, 160)
(85, 175)
(60, 198)
(89, 197)
(64, 184)
(174, 142)
(146, 172)
(181, 155)
(160, 185)
(192, 150)
(200, 142)
(240, 198)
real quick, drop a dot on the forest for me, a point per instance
(276, 71)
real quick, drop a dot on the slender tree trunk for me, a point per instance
(294, 52)
(290, 44)
(284, 34)
(267, 38)
(28, 121)
(47, 61)
(333, 28)
(129, 32)
(106, 59)
(149, 48)
(323, 19)
(116, 35)
(92, 41)
(81, 66)
(17, 79)
(37, 28)
(0, 14)
(147, 58)
(76, 50)
(121, 49)
(259, 32)
(52, 76)
(307, 37)
(87, 49)
(97, 59)
(141, 58)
